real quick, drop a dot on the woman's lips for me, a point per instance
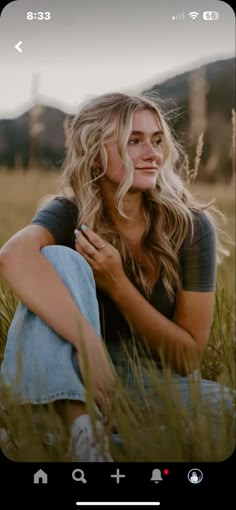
(147, 170)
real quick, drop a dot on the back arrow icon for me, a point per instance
(17, 46)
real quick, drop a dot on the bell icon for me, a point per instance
(156, 476)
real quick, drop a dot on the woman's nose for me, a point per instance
(150, 152)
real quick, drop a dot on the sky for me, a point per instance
(90, 47)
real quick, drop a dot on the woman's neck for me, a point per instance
(132, 207)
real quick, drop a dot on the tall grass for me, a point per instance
(153, 428)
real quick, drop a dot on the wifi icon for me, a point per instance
(193, 15)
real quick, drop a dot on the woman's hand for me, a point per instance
(103, 258)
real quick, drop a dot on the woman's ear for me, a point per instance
(96, 171)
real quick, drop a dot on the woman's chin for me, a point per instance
(144, 186)
(146, 182)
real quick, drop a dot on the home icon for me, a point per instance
(40, 477)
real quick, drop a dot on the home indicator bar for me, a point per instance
(118, 503)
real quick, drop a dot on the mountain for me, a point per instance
(200, 100)
(37, 134)
(220, 76)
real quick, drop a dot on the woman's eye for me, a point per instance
(134, 141)
(158, 142)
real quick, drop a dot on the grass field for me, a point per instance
(19, 195)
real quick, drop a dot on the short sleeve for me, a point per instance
(198, 256)
(59, 217)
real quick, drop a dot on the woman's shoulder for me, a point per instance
(58, 205)
(59, 215)
(198, 255)
(60, 201)
(202, 231)
(202, 220)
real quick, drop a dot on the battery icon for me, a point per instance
(211, 15)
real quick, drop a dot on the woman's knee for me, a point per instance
(62, 256)
(71, 266)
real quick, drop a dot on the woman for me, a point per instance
(123, 247)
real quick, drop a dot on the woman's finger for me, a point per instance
(87, 248)
(93, 238)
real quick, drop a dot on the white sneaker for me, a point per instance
(84, 446)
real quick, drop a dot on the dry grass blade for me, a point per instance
(192, 173)
(8, 304)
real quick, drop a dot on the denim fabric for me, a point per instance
(48, 364)
(40, 365)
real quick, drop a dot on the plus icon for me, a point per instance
(118, 476)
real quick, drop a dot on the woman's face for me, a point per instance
(144, 148)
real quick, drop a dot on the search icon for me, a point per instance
(78, 475)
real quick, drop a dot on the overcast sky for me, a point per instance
(94, 46)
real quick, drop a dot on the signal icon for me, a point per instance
(193, 15)
(179, 16)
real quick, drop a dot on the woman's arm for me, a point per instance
(181, 342)
(36, 283)
(39, 287)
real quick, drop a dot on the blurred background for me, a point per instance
(202, 101)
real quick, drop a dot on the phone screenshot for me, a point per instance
(117, 252)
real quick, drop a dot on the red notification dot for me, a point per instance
(166, 471)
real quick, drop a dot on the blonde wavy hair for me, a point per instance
(168, 208)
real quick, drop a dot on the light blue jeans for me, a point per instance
(48, 365)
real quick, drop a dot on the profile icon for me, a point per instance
(195, 476)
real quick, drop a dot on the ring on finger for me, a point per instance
(101, 247)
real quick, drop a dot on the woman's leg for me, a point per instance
(48, 364)
(210, 396)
